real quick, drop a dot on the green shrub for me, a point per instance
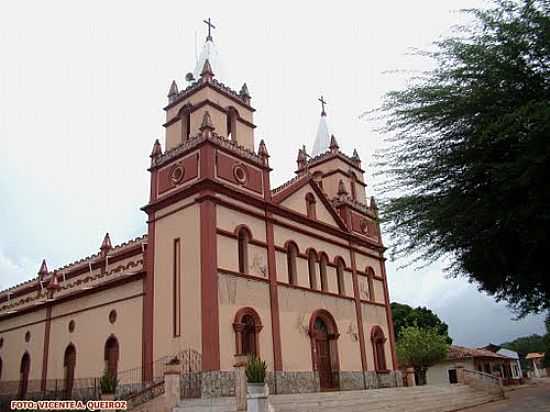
(108, 383)
(255, 370)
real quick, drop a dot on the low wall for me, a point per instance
(218, 384)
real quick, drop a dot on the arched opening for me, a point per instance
(323, 263)
(310, 206)
(0, 369)
(185, 118)
(111, 356)
(291, 257)
(24, 375)
(324, 335)
(370, 281)
(243, 238)
(340, 267)
(247, 327)
(69, 364)
(378, 340)
(232, 116)
(312, 266)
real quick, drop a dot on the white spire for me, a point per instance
(209, 51)
(322, 140)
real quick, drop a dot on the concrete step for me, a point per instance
(418, 399)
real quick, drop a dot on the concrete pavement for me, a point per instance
(535, 398)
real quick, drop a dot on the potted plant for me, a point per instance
(108, 384)
(255, 375)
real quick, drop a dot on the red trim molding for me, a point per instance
(358, 311)
(389, 318)
(209, 286)
(46, 351)
(273, 295)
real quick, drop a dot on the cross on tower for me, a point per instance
(210, 26)
(323, 102)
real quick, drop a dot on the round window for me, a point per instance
(239, 173)
(112, 316)
(177, 174)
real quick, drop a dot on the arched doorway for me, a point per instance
(24, 375)
(69, 364)
(111, 356)
(324, 349)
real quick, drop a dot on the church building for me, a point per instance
(294, 274)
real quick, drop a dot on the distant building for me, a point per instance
(535, 360)
(481, 360)
(514, 372)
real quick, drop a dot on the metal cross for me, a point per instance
(323, 102)
(210, 26)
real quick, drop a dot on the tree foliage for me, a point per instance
(405, 315)
(468, 165)
(421, 348)
(526, 344)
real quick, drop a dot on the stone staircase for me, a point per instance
(430, 398)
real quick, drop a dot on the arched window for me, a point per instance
(243, 237)
(310, 206)
(185, 118)
(323, 262)
(69, 364)
(111, 356)
(312, 266)
(247, 327)
(0, 368)
(232, 116)
(291, 257)
(370, 280)
(340, 267)
(24, 375)
(378, 339)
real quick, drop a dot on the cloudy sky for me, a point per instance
(82, 86)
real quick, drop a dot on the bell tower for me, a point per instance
(230, 111)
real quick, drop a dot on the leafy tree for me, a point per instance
(405, 315)
(526, 344)
(467, 168)
(421, 348)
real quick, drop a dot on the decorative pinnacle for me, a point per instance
(105, 245)
(206, 123)
(207, 74)
(355, 156)
(157, 150)
(43, 271)
(244, 91)
(262, 149)
(323, 102)
(333, 143)
(210, 27)
(373, 204)
(342, 191)
(54, 282)
(173, 92)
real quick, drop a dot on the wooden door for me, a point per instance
(24, 375)
(324, 364)
(70, 363)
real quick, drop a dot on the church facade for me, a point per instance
(229, 265)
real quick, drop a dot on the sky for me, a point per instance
(83, 84)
